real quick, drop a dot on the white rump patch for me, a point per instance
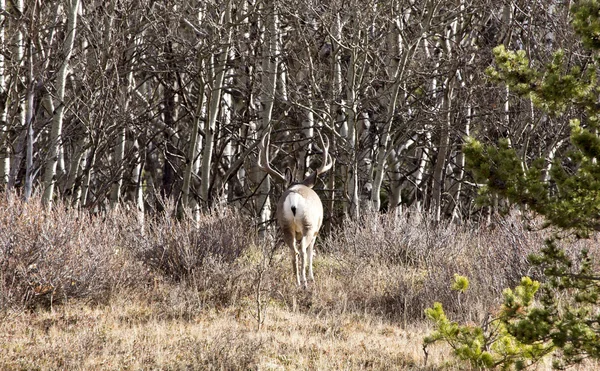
(294, 199)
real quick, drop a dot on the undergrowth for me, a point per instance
(384, 267)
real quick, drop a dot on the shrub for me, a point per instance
(49, 255)
(492, 344)
(418, 257)
(180, 248)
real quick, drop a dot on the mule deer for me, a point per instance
(299, 210)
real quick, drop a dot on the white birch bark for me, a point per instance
(465, 79)
(424, 155)
(308, 126)
(29, 125)
(219, 64)
(460, 162)
(118, 158)
(226, 137)
(445, 125)
(4, 147)
(401, 51)
(351, 137)
(379, 166)
(119, 150)
(77, 162)
(443, 145)
(191, 166)
(57, 122)
(347, 130)
(17, 156)
(136, 177)
(309, 123)
(270, 58)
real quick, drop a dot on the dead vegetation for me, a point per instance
(81, 291)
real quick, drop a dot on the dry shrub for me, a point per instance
(181, 248)
(399, 266)
(47, 256)
(199, 261)
(229, 350)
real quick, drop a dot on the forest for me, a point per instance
(137, 225)
(147, 101)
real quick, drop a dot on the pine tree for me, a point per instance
(568, 198)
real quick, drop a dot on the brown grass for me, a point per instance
(99, 292)
(133, 334)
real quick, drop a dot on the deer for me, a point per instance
(299, 209)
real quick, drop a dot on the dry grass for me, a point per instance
(401, 266)
(95, 292)
(132, 334)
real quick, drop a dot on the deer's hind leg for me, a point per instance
(306, 254)
(290, 240)
(311, 254)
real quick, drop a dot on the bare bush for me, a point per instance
(47, 256)
(401, 265)
(180, 248)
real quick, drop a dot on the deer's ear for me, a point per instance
(288, 176)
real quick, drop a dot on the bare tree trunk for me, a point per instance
(269, 80)
(348, 130)
(394, 159)
(169, 149)
(420, 172)
(18, 154)
(4, 140)
(440, 162)
(351, 138)
(76, 163)
(118, 158)
(395, 71)
(401, 52)
(73, 184)
(465, 79)
(150, 178)
(119, 150)
(169, 125)
(507, 20)
(29, 121)
(227, 111)
(57, 122)
(446, 124)
(191, 161)
(460, 162)
(137, 194)
(309, 123)
(219, 66)
(90, 162)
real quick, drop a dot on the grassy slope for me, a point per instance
(85, 292)
(148, 333)
(129, 334)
